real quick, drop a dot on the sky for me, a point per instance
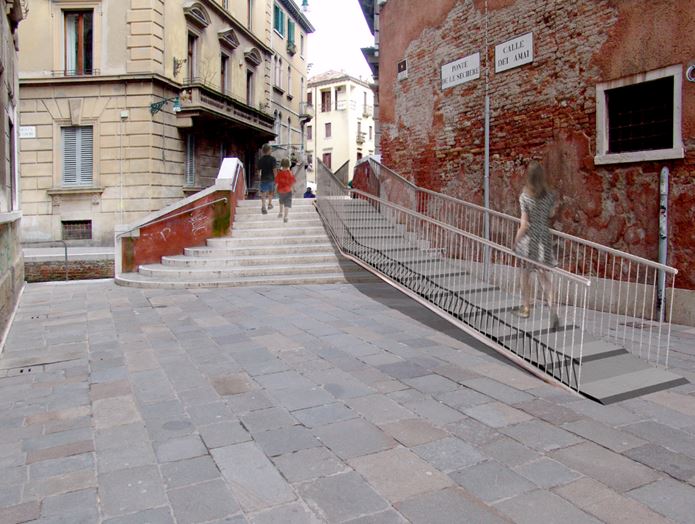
(341, 31)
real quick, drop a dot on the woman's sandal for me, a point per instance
(522, 311)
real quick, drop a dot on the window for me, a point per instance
(278, 72)
(279, 20)
(289, 81)
(325, 101)
(310, 98)
(370, 132)
(191, 66)
(309, 132)
(77, 229)
(639, 118)
(301, 44)
(327, 133)
(327, 160)
(359, 127)
(224, 73)
(78, 151)
(290, 31)
(78, 42)
(190, 160)
(289, 132)
(249, 87)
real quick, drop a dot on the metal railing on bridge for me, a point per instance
(630, 298)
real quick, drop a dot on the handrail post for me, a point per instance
(65, 246)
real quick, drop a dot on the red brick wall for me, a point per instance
(77, 270)
(544, 110)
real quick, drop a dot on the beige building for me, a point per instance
(11, 262)
(128, 105)
(343, 128)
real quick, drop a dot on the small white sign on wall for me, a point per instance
(461, 71)
(402, 69)
(27, 131)
(514, 53)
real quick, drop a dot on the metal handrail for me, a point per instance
(555, 232)
(447, 269)
(167, 217)
(65, 247)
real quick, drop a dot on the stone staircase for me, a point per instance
(609, 372)
(262, 250)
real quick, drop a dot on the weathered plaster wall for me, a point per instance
(544, 110)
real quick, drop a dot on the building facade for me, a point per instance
(11, 262)
(343, 126)
(129, 105)
(603, 92)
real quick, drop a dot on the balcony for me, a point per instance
(361, 137)
(367, 111)
(306, 111)
(291, 48)
(200, 100)
(345, 105)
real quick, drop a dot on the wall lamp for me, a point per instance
(156, 107)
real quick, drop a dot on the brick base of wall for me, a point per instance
(77, 270)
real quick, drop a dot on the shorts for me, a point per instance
(286, 199)
(267, 186)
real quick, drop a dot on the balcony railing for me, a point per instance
(361, 136)
(75, 72)
(344, 105)
(367, 111)
(306, 110)
(291, 48)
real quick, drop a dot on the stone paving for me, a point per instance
(332, 403)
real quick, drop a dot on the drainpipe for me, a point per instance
(663, 239)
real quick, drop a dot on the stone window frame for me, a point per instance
(58, 9)
(602, 156)
(58, 124)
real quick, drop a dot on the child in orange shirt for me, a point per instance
(284, 180)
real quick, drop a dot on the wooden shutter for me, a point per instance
(69, 156)
(86, 155)
(190, 160)
(78, 156)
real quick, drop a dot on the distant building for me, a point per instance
(370, 9)
(132, 105)
(603, 92)
(11, 262)
(343, 128)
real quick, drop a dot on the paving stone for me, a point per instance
(540, 435)
(74, 481)
(223, 434)
(149, 516)
(379, 409)
(265, 419)
(603, 435)
(435, 411)
(439, 507)
(547, 473)
(180, 448)
(508, 375)
(413, 432)
(657, 413)
(309, 464)
(341, 497)
(254, 481)
(75, 506)
(398, 474)
(20, 513)
(431, 384)
(497, 414)
(202, 502)
(302, 398)
(671, 438)
(109, 389)
(294, 513)
(611, 469)
(119, 436)
(202, 414)
(462, 398)
(549, 411)
(353, 438)
(404, 369)
(151, 386)
(189, 471)
(614, 415)
(389, 516)
(115, 411)
(656, 457)
(491, 481)
(57, 439)
(471, 431)
(449, 454)
(283, 380)
(668, 497)
(407, 395)
(285, 440)
(497, 390)
(527, 507)
(509, 451)
(66, 450)
(10, 495)
(232, 384)
(251, 401)
(130, 490)
(55, 467)
(607, 505)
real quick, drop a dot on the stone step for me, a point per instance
(270, 250)
(283, 230)
(185, 261)
(138, 280)
(267, 241)
(277, 222)
(244, 216)
(164, 272)
(296, 202)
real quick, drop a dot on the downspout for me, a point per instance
(663, 239)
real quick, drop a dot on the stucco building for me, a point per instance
(11, 262)
(343, 126)
(131, 104)
(602, 91)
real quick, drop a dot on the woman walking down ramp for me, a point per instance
(533, 239)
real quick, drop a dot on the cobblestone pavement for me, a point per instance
(306, 404)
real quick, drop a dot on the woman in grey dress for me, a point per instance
(533, 239)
